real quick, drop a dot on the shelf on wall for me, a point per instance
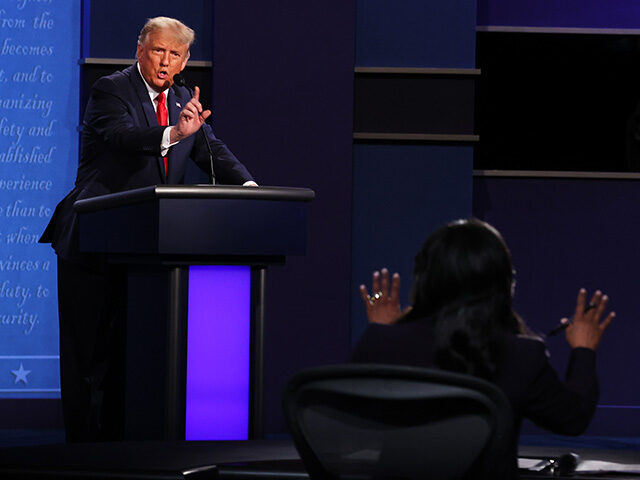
(556, 174)
(416, 137)
(418, 71)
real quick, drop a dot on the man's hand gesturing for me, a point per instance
(191, 118)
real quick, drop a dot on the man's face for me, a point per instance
(160, 58)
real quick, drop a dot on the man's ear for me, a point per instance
(184, 63)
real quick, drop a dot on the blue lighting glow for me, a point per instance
(218, 353)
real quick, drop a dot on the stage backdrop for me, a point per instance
(39, 49)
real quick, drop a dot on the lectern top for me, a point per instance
(153, 192)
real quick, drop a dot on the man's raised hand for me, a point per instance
(191, 118)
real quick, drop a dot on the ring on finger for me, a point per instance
(375, 297)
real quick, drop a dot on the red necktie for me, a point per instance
(163, 119)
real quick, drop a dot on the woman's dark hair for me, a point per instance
(463, 280)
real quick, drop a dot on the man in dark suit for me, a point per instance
(139, 129)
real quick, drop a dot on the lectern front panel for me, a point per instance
(218, 353)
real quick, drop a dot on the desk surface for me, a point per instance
(625, 457)
(294, 470)
(233, 460)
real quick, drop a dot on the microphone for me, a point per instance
(179, 81)
(567, 463)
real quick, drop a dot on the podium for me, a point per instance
(196, 259)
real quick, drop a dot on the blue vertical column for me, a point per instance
(39, 48)
(407, 182)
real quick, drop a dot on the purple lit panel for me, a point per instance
(218, 343)
(615, 14)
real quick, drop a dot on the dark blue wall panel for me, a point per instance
(566, 234)
(283, 99)
(402, 193)
(115, 25)
(562, 14)
(416, 33)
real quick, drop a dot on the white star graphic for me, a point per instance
(21, 374)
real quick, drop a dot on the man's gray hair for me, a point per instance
(183, 34)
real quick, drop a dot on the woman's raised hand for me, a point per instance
(586, 330)
(383, 305)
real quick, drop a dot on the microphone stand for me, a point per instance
(179, 81)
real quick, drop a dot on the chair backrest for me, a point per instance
(381, 421)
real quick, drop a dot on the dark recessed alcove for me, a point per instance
(557, 101)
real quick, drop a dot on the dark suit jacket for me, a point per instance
(121, 151)
(523, 373)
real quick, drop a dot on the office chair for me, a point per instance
(371, 421)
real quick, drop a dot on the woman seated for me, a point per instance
(462, 320)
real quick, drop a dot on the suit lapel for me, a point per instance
(143, 96)
(149, 111)
(174, 106)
